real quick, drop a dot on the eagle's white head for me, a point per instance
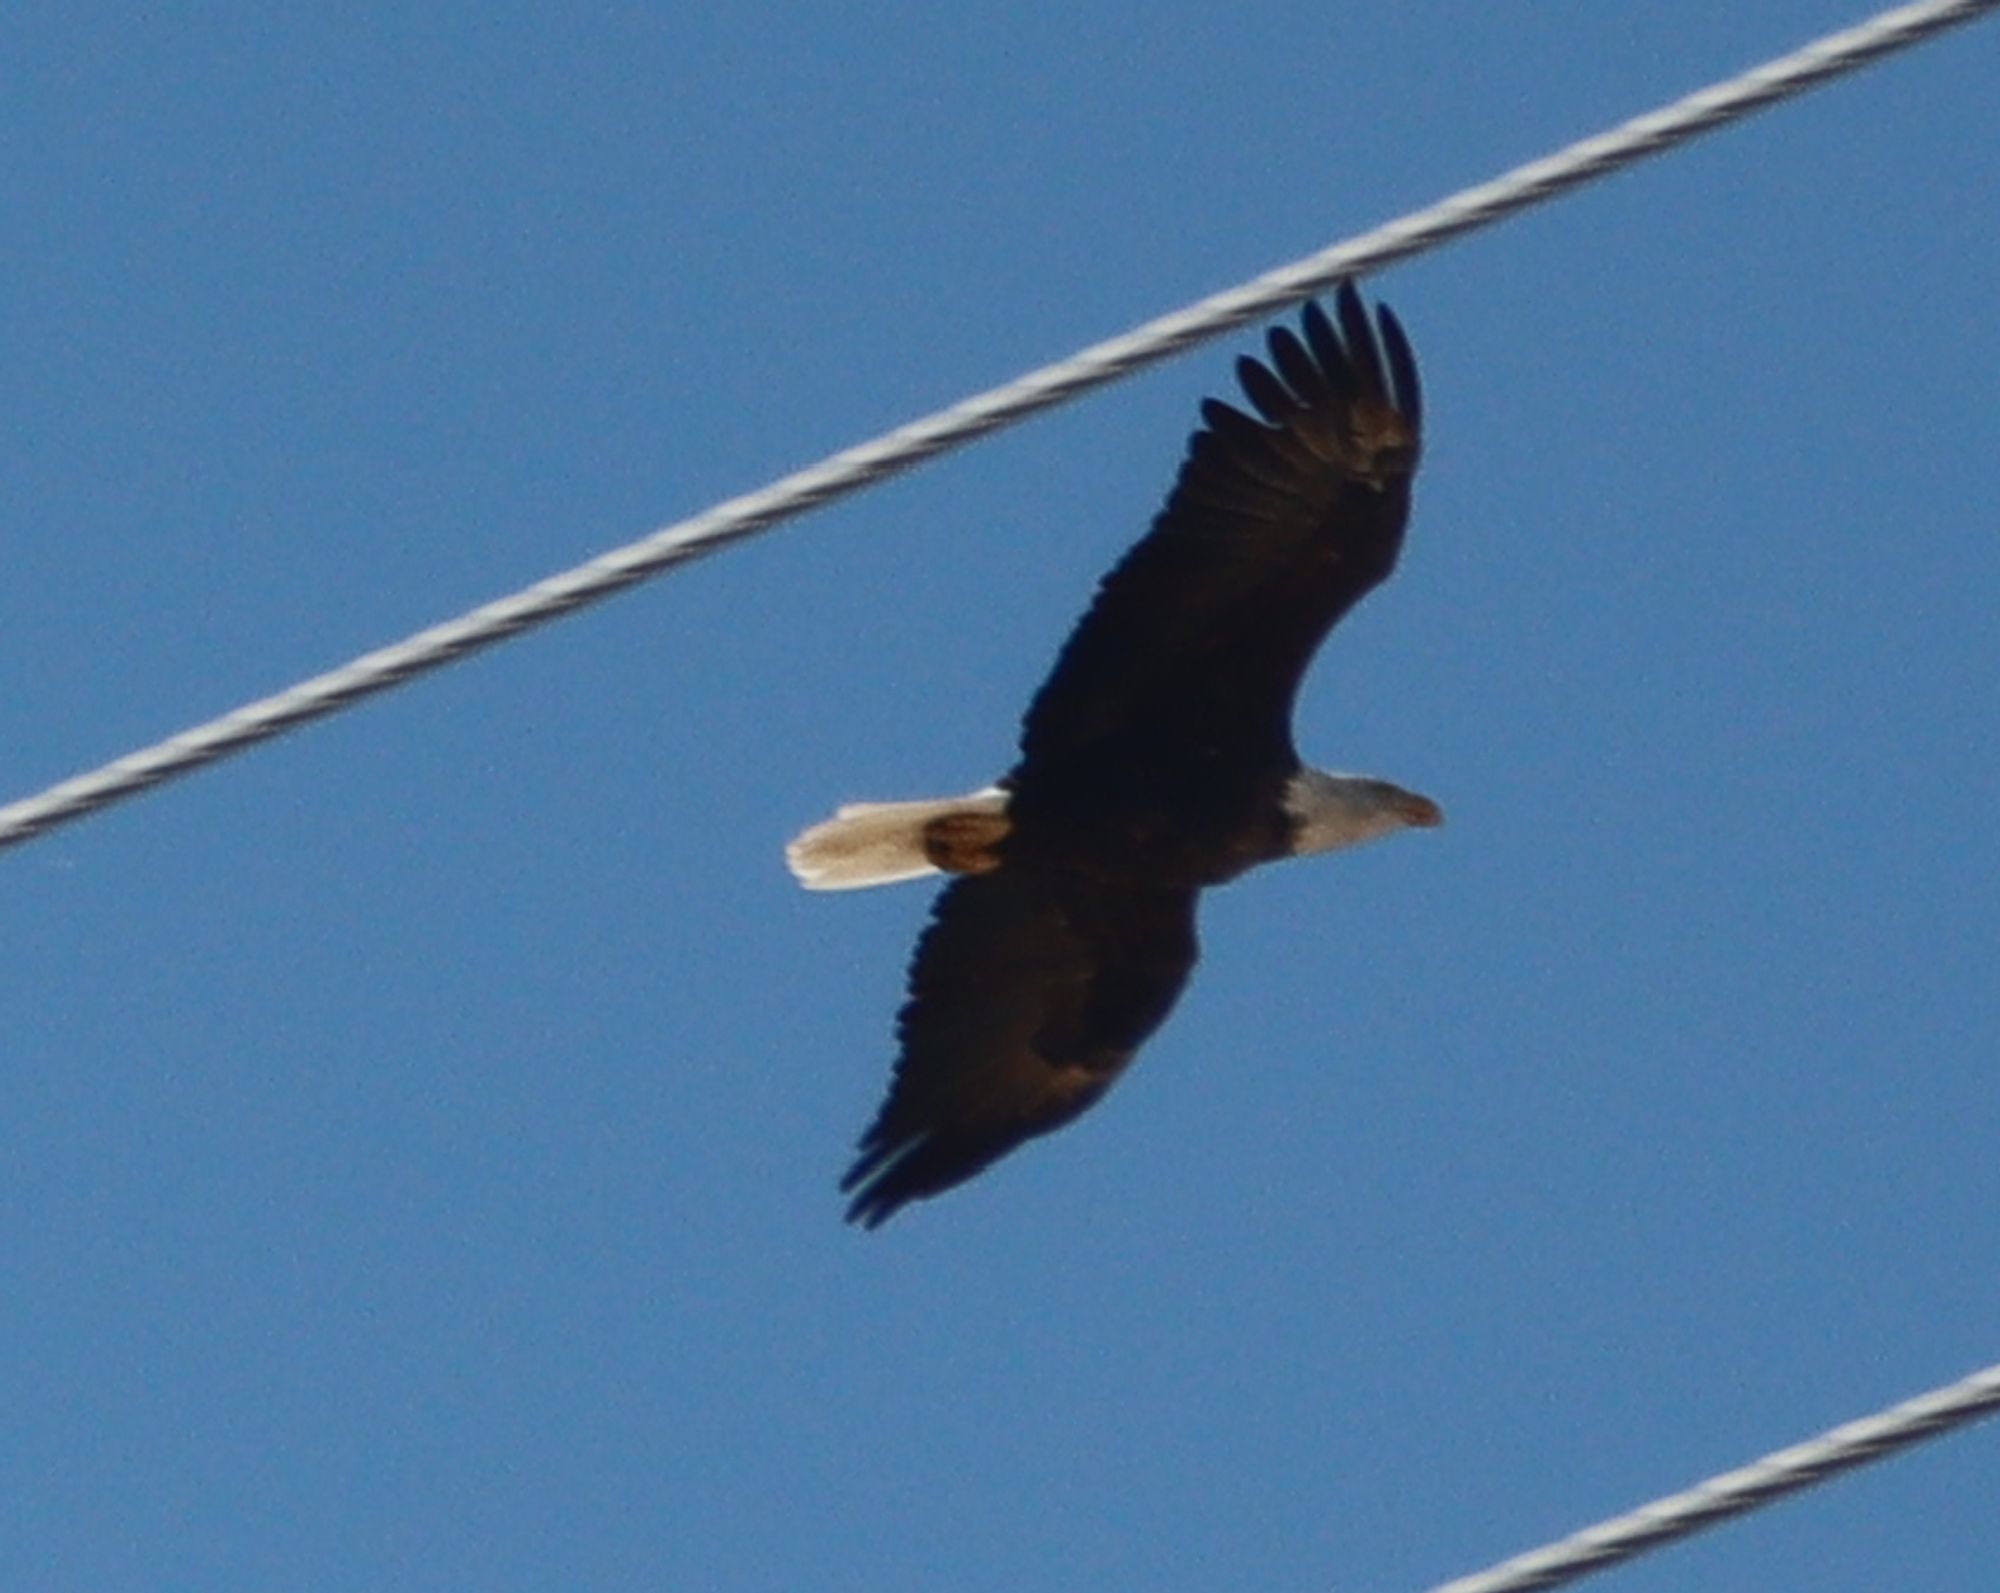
(1331, 811)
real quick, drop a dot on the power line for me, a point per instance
(908, 445)
(1734, 1493)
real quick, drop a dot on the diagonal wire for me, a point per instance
(1734, 1493)
(871, 462)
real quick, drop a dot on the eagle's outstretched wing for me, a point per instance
(1029, 993)
(1275, 528)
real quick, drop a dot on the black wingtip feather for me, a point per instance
(1408, 396)
(1228, 422)
(1359, 337)
(1325, 345)
(873, 1183)
(1365, 356)
(1270, 396)
(889, 1175)
(871, 1208)
(1296, 366)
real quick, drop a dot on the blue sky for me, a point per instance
(419, 1135)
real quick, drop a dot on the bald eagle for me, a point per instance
(1155, 761)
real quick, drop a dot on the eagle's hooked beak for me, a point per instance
(1420, 812)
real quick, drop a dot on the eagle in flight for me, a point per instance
(1155, 761)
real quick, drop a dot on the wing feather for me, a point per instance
(1276, 526)
(1029, 994)
(1293, 363)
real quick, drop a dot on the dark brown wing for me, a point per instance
(1029, 993)
(1275, 528)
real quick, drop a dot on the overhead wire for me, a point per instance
(855, 468)
(1786, 1471)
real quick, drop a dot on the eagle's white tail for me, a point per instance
(879, 843)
